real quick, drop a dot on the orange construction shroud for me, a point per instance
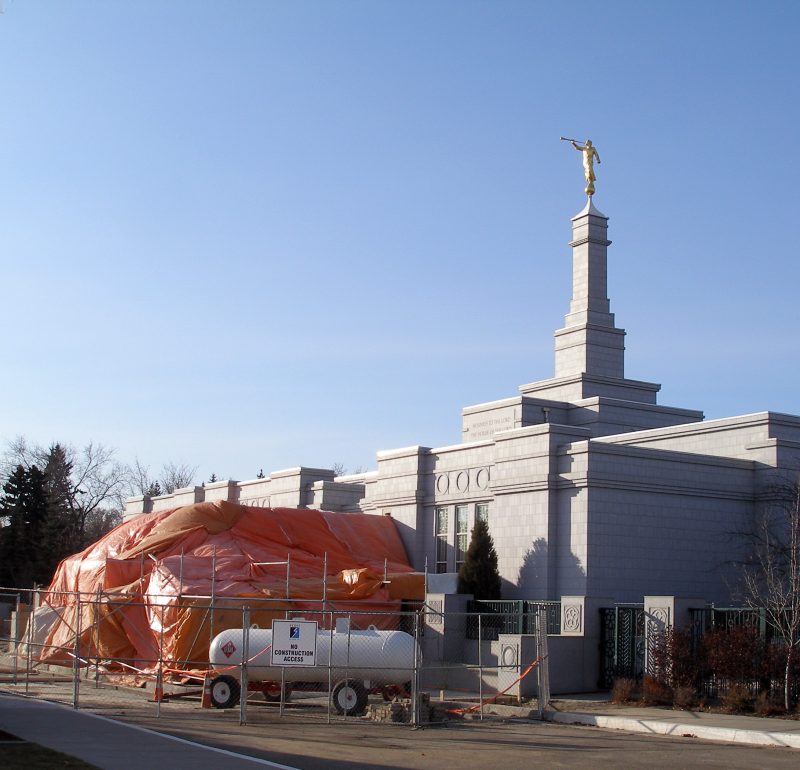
(145, 587)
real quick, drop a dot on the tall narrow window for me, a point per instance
(441, 539)
(482, 512)
(462, 533)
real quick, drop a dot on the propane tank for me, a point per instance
(378, 657)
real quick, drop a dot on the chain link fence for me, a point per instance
(253, 660)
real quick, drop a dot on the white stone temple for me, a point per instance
(590, 487)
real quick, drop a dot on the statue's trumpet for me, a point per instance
(564, 139)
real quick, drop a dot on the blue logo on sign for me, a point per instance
(294, 632)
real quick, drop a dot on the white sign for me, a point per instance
(294, 643)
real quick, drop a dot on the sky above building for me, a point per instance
(245, 235)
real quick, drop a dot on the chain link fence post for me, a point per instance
(14, 642)
(543, 669)
(96, 641)
(480, 665)
(415, 672)
(331, 623)
(243, 679)
(76, 669)
(29, 650)
(160, 673)
(347, 664)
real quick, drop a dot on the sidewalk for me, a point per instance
(112, 745)
(730, 728)
(595, 710)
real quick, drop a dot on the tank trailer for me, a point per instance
(351, 663)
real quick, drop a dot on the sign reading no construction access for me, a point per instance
(294, 643)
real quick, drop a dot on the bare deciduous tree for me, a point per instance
(175, 476)
(172, 477)
(19, 452)
(139, 481)
(771, 577)
(340, 469)
(98, 477)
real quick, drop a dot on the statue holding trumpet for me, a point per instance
(589, 154)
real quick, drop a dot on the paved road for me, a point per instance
(507, 745)
(299, 741)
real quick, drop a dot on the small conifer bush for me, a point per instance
(479, 575)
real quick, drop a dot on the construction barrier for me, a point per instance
(371, 664)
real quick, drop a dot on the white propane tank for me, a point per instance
(378, 657)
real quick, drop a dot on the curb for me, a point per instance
(679, 730)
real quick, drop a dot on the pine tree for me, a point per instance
(23, 505)
(479, 575)
(62, 533)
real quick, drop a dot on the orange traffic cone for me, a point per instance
(159, 692)
(205, 701)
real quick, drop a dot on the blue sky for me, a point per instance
(248, 235)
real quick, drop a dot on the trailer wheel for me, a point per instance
(272, 692)
(224, 692)
(349, 698)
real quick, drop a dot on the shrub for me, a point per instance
(672, 659)
(765, 705)
(737, 699)
(655, 692)
(623, 690)
(684, 697)
(736, 653)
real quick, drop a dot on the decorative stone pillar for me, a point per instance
(573, 612)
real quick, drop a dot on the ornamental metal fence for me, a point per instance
(622, 643)
(717, 657)
(705, 619)
(511, 617)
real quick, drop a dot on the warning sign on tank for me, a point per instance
(294, 643)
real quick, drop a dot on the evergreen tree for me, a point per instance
(47, 515)
(63, 528)
(23, 505)
(479, 575)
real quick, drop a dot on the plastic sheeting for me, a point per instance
(146, 587)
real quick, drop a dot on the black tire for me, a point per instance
(349, 698)
(272, 692)
(224, 692)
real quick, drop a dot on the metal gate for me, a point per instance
(622, 643)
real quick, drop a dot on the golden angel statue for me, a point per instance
(589, 154)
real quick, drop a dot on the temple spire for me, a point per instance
(590, 343)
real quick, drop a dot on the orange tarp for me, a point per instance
(146, 586)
